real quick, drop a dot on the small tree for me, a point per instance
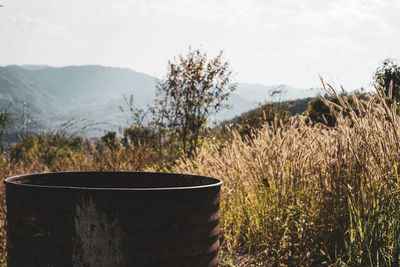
(135, 116)
(137, 132)
(5, 119)
(194, 88)
(388, 76)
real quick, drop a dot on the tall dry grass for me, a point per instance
(294, 194)
(300, 194)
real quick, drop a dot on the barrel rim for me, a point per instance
(10, 181)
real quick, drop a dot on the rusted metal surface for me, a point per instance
(107, 219)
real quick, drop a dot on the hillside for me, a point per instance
(255, 118)
(91, 95)
(84, 95)
(275, 93)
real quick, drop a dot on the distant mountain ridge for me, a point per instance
(92, 94)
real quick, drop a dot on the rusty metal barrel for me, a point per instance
(107, 219)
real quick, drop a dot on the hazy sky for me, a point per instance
(270, 42)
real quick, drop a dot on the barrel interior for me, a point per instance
(127, 180)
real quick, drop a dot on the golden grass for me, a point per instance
(294, 194)
(332, 193)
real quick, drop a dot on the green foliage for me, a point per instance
(5, 120)
(47, 149)
(251, 121)
(136, 133)
(138, 136)
(110, 140)
(373, 235)
(297, 106)
(319, 111)
(195, 87)
(388, 77)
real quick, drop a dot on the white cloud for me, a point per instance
(27, 23)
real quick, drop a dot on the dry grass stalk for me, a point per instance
(324, 187)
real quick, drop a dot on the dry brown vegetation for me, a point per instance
(300, 194)
(294, 194)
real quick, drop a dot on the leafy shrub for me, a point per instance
(47, 149)
(388, 77)
(247, 123)
(319, 111)
(138, 136)
(110, 140)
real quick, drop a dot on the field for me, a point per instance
(295, 193)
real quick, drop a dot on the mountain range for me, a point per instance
(89, 98)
